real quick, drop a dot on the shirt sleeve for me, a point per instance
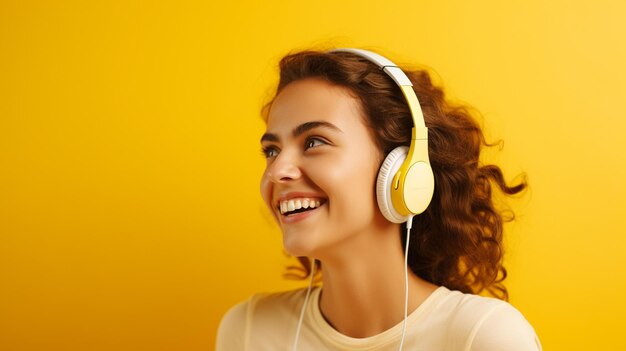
(232, 332)
(504, 328)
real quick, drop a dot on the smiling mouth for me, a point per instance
(298, 205)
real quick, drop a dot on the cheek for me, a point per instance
(266, 189)
(351, 184)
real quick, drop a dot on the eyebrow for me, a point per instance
(301, 129)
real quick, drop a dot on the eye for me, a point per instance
(269, 151)
(314, 142)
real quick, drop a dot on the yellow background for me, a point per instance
(130, 217)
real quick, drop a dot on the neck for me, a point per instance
(363, 292)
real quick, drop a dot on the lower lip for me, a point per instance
(298, 216)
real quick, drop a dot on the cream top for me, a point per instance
(446, 320)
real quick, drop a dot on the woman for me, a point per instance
(334, 120)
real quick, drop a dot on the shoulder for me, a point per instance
(231, 333)
(283, 303)
(256, 314)
(505, 327)
(484, 323)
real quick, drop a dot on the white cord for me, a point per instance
(306, 299)
(409, 223)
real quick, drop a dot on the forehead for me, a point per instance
(313, 99)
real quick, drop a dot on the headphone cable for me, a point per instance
(306, 299)
(409, 224)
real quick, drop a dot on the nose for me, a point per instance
(283, 168)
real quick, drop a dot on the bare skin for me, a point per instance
(318, 147)
(369, 287)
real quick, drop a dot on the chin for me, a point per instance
(297, 246)
(297, 249)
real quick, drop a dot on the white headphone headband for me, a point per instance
(392, 70)
(384, 63)
(409, 186)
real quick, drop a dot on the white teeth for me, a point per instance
(295, 204)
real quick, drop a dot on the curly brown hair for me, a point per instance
(457, 241)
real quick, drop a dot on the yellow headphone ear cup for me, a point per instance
(419, 186)
(388, 169)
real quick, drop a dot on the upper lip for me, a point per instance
(296, 194)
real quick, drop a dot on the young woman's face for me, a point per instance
(322, 163)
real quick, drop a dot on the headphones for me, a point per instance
(405, 183)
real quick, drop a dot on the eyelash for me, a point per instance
(265, 151)
(306, 144)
